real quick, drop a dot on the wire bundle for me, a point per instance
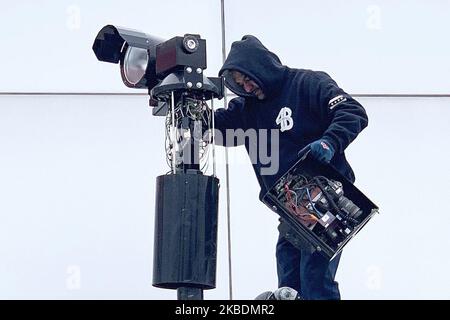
(200, 113)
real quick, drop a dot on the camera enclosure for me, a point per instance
(320, 209)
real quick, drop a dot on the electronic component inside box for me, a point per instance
(319, 207)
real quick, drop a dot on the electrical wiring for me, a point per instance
(308, 218)
(304, 197)
(195, 110)
(317, 212)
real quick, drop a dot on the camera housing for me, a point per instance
(186, 211)
(320, 209)
(158, 65)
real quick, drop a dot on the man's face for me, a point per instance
(249, 85)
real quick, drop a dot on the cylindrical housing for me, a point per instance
(185, 246)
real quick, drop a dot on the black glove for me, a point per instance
(322, 150)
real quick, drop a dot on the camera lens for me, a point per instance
(135, 64)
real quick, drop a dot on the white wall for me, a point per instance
(77, 173)
(77, 188)
(47, 44)
(369, 46)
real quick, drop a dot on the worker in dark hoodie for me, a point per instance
(309, 109)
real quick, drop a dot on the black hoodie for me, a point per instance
(306, 105)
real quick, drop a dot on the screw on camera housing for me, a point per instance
(190, 43)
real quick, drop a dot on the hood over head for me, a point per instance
(250, 57)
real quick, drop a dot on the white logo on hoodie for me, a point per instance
(284, 119)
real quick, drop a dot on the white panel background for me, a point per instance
(367, 46)
(77, 173)
(77, 177)
(47, 44)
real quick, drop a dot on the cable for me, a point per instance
(306, 217)
(172, 104)
(311, 202)
(213, 138)
(227, 166)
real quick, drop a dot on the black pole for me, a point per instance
(189, 293)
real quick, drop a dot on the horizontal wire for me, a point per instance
(361, 95)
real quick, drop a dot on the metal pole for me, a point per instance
(213, 138)
(227, 167)
(189, 293)
(174, 133)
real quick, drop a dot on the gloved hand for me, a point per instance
(322, 150)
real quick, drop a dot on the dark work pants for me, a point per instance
(311, 274)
